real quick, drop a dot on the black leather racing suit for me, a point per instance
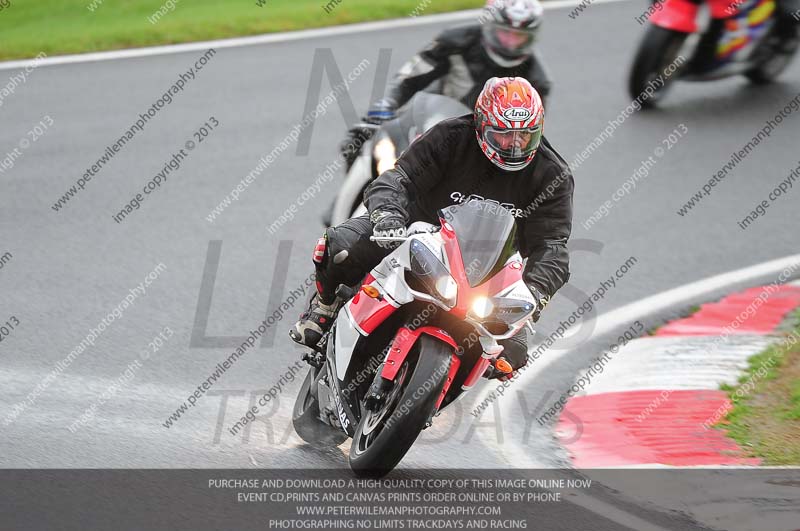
(446, 166)
(455, 64)
(459, 62)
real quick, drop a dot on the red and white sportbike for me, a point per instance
(741, 38)
(420, 332)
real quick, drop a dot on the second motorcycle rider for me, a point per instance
(462, 59)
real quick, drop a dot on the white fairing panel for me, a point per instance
(346, 337)
(390, 272)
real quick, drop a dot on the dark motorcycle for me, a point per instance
(744, 42)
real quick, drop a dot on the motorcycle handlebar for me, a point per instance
(388, 238)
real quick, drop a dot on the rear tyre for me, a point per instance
(382, 438)
(658, 50)
(772, 67)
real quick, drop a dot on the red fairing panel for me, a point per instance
(402, 343)
(503, 279)
(677, 15)
(724, 8)
(368, 313)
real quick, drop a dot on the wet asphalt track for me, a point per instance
(71, 268)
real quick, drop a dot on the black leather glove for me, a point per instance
(387, 225)
(541, 301)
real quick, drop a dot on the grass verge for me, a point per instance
(28, 27)
(765, 417)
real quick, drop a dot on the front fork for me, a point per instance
(489, 359)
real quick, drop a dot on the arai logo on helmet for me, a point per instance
(517, 114)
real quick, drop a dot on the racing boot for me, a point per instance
(314, 322)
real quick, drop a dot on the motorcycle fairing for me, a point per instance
(507, 280)
(367, 313)
(344, 340)
(344, 409)
(402, 343)
(744, 29)
(677, 15)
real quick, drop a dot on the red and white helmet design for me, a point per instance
(509, 120)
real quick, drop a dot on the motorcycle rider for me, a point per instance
(462, 60)
(511, 163)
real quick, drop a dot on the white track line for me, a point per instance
(347, 29)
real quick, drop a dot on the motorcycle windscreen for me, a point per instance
(486, 233)
(426, 110)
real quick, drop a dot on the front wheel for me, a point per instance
(659, 49)
(382, 438)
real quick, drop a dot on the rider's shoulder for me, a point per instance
(547, 152)
(448, 134)
(456, 126)
(459, 39)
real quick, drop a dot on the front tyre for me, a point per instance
(382, 438)
(659, 49)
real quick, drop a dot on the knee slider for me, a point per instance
(333, 246)
(320, 250)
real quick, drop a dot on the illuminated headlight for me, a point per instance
(385, 154)
(429, 275)
(482, 307)
(447, 287)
